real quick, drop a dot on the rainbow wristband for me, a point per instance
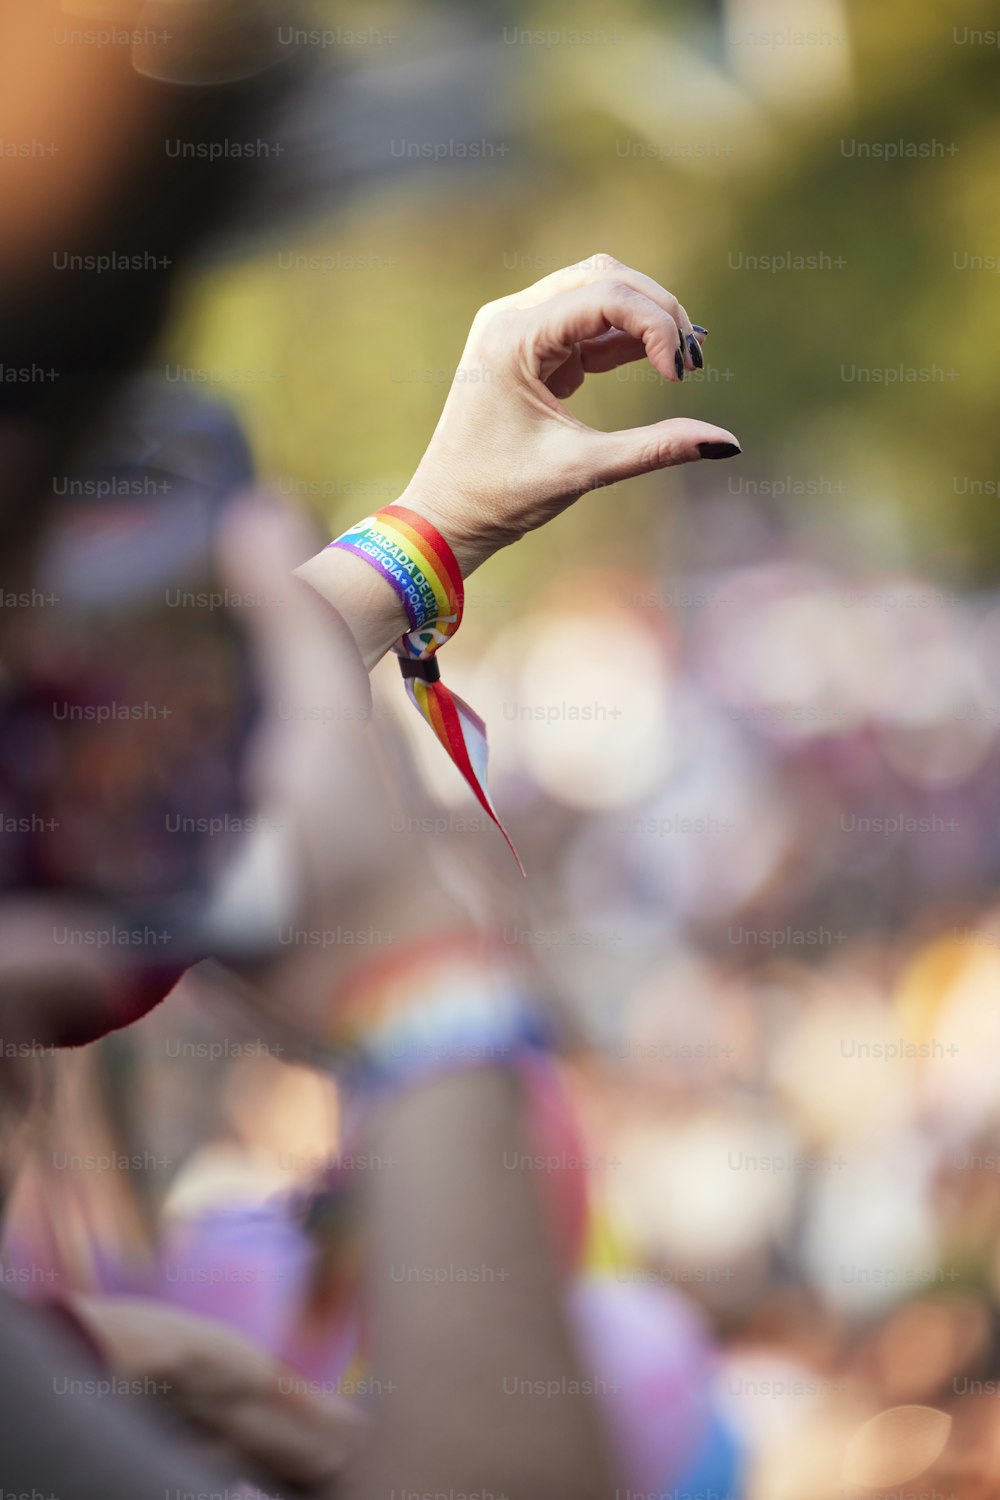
(442, 1006)
(415, 559)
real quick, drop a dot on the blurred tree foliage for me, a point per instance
(675, 151)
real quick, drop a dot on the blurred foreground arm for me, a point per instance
(471, 1363)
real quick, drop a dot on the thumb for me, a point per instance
(640, 450)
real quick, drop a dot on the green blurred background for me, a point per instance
(684, 138)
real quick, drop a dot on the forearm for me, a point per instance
(361, 596)
(467, 1308)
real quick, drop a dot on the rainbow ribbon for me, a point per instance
(416, 560)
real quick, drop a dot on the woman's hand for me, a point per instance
(507, 456)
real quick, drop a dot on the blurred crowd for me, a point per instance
(757, 817)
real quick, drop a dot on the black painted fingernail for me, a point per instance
(719, 450)
(679, 364)
(697, 358)
(698, 329)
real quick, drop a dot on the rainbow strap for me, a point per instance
(445, 1003)
(415, 559)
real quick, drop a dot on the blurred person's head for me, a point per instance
(125, 132)
(125, 148)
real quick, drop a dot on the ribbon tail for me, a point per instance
(463, 734)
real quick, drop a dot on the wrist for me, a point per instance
(461, 521)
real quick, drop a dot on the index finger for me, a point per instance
(603, 267)
(553, 327)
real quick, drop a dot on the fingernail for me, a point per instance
(697, 358)
(679, 364)
(719, 450)
(698, 329)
